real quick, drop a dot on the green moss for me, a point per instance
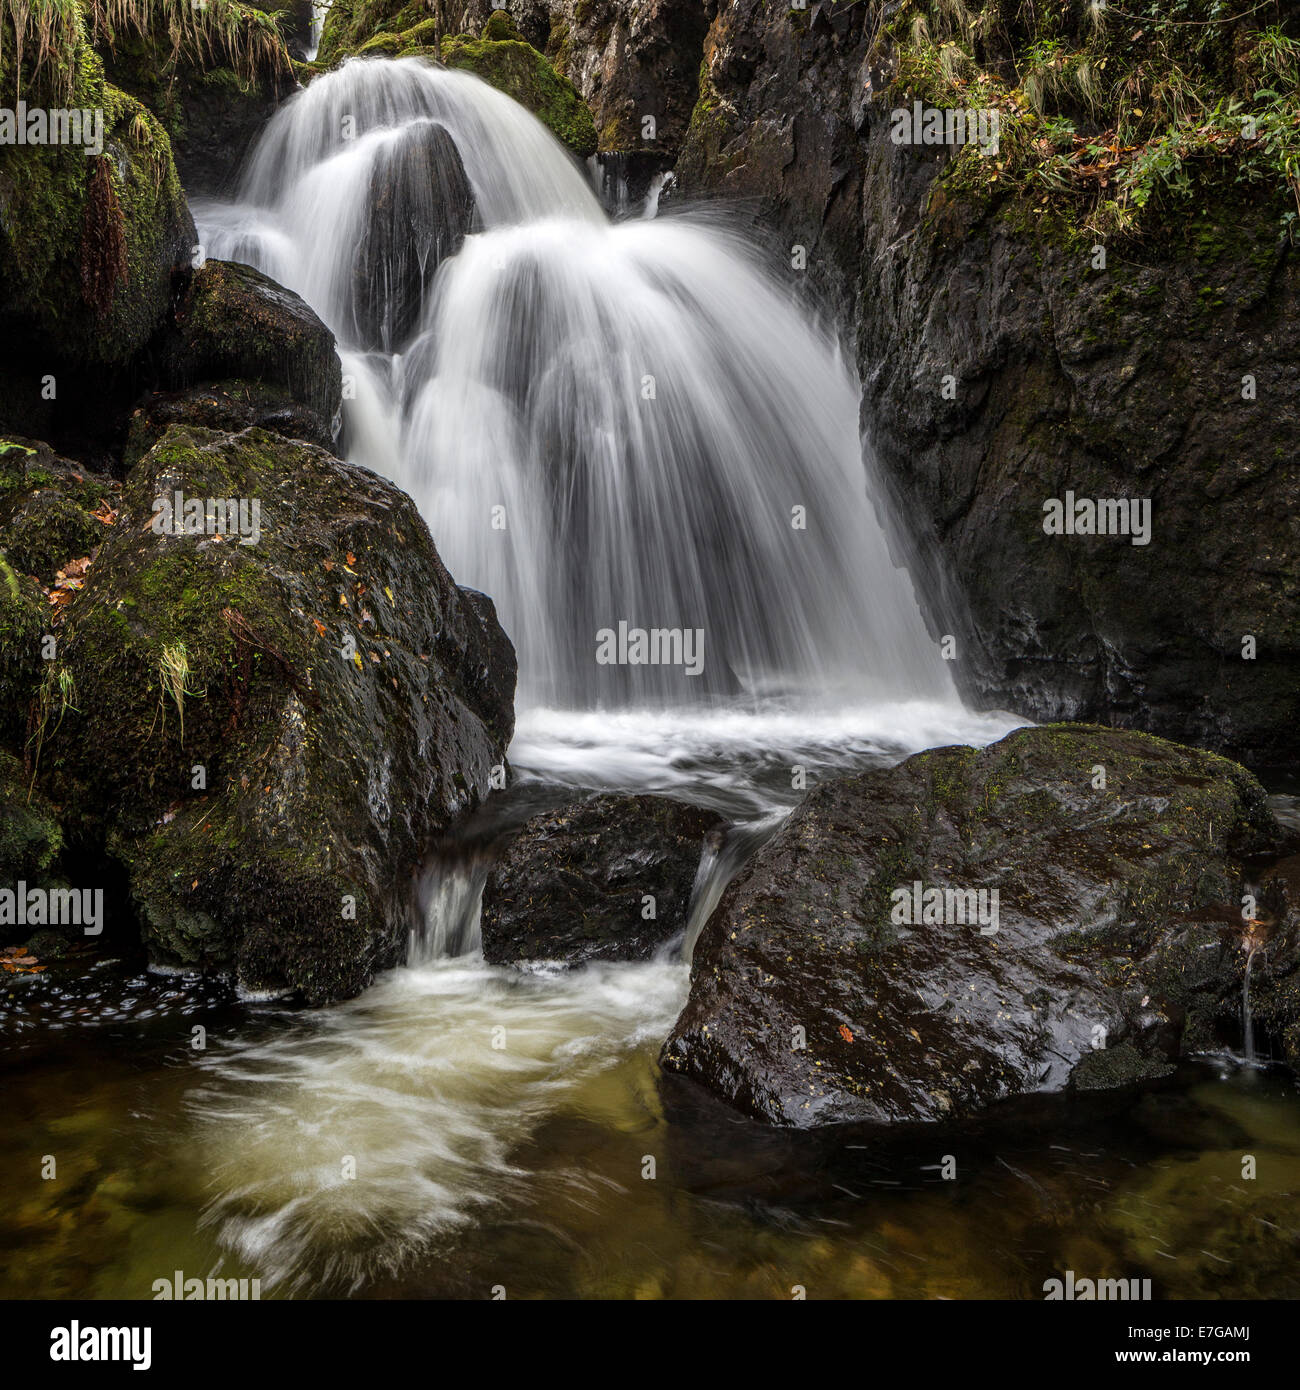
(48, 187)
(500, 28)
(523, 73)
(31, 838)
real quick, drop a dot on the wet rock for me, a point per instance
(229, 406)
(236, 323)
(574, 884)
(1115, 941)
(420, 210)
(294, 712)
(629, 62)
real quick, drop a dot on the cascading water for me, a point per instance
(602, 423)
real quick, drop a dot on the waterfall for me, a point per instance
(628, 430)
(1247, 1018)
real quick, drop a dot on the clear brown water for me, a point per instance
(523, 1167)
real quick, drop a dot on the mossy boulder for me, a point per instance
(52, 510)
(90, 243)
(606, 879)
(819, 995)
(519, 70)
(501, 27)
(291, 719)
(235, 323)
(31, 839)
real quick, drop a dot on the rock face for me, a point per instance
(573, 885)
(294, 711)
(629, 60)
(820, 995)
(1122, 382)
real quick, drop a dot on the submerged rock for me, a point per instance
(1073, 926)
(577, 883)
(269, 728)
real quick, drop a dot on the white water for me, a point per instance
(524, 386)
(601, 422)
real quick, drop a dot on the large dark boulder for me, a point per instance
(1119, 941)
(269, 730)
(236, 324)
(575, 884)
(419, 212)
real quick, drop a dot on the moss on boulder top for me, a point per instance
(519, 70)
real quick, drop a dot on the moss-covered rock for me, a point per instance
(501, 27)
(523, 73)
(1089, 886)
(90, 241)
(31, 839)
(51, 509)
(236, 323)
(292, 718)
